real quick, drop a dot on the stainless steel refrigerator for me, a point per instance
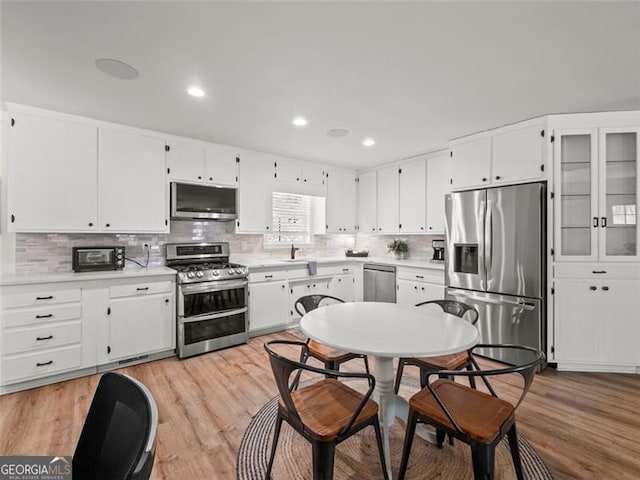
(496, 262)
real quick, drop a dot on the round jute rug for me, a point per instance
(357, 457)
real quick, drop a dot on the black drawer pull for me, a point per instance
(605, 288)
(599, 271)
(50, 297)
(44, 363)
(593, 287)
(45, 316)
(345, 269)
(142, 289)
(39, 339)
(419, 276)
(268, 276)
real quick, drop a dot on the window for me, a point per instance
(624, 214)
(294, 219)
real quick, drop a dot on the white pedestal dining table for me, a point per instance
(384, 331)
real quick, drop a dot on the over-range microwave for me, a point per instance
(203, 202)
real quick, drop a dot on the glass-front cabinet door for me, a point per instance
(576, 202)
(618, 194)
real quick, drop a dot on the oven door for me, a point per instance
(211, 315)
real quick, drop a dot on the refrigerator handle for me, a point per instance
(483, 260)
(488, 241)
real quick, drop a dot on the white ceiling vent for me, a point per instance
(116, 68)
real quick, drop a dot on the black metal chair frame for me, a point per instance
(482, 454)
(316, 299)
(115, 388)
(444, 304)
(323, 452)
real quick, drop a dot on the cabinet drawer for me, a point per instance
(46, 336)
(270, 276)
(420, 275)
(595, 270)
(41, 315)
(41, 364)
(139, 289)
(45, 296)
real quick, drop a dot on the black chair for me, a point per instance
(454, 361)
(118, 438)
(331, 357)
(325, 412)
(474, 417)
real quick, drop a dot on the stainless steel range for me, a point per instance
(212, 297)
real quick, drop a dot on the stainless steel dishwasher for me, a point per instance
(379, 283)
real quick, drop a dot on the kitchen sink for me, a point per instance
(295, 260)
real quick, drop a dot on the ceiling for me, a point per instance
(409, 74)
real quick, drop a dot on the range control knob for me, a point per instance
(238, 271)
(231, 271)
(191, 274)
(215, 273)
(199, 274)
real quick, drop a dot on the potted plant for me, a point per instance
(399, 248)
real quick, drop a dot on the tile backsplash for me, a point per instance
(51, 252)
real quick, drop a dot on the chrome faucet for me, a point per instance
(293, 252)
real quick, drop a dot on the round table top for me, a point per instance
(389, 329)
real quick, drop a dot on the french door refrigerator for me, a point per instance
(496, 262)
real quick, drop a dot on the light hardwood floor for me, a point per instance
(585, 426)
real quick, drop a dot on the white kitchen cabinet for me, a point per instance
(132, 182)
(255, 192)
(221, 164)
(597, 180)
(299, 177)
(596, 323)
(341, 201)
(138, 325)
(367, 202)
(518, 154)
(438, 185)
(185, 161)
(388, 200)
(413, 196)
(471, 160)
(313, 176)
(316, 286)
(414, 285)
(343, 286)
(53, 174)
(268, 305)
(287, 170)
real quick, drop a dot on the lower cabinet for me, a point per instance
(343, 286)
(320, 286)
(597, 323)
(415, 286)
(268, 304)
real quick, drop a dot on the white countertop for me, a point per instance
(129, 272)
(417, 262)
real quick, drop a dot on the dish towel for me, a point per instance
(313, 267)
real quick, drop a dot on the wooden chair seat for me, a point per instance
(454, 361)
(326, 407)
(325, 353)
(479, 415)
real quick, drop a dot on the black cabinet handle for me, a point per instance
(484, 179)
(142, 289)
(421, 228)
(268, 276)
(599, 271)
(593, 287)
(210, 179)
(45, 298)
(107, 224)
(345, 269)
(605, 288)
(423, 289)
(45, 316)
(415, 288)
(39, 339)
(166, 300)
(91, 224)
(199, 177)
(44, 363)
(497, 177)
(603, 222)
(419, 276)
(595, 222)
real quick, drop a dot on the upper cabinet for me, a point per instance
(508, 155)
(296, 176)
(199, 162)
(341, 201)
(388, 199)
(413, 196)
(255, 192)
(131, 182)
(438, 185)
(53, 173)
(596, 194)
(367, 202)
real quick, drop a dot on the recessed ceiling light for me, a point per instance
(116, 68)
(195, 91)
(338, 132)
(368, 142)
(299, 121)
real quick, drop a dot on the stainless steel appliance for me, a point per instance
(379, 283)
(96, 259)
(205, 202)
(438, 251)
(496, 261)
(212, 306)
